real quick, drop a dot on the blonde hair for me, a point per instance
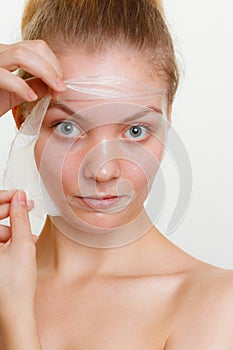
(96, 24)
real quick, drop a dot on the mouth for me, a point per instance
(109, 203)
(100, 202)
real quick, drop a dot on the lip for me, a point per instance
(96, 202)
(102, 203)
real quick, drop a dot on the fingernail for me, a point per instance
(32, 96)
(60, 84)
(21, 198)
(30, 204)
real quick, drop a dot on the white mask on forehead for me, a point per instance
(88, 104)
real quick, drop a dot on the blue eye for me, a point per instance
(137, 132)
(67, 129)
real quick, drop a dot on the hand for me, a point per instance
(36, 58)
(5, 199)
(18, 272)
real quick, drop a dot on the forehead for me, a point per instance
(110, 62)
(114, 98)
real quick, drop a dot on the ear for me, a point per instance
(18, 115)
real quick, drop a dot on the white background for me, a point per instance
(202, 115)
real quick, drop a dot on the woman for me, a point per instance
(57, 293)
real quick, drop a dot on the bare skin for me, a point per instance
(151, 295)
(148, 294)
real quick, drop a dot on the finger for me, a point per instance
(19, 219)
(5, 209)
(12, 99)
(40, 47)
(37, 85)
(6, 196)
(41, 90)
(5, 233)
(21, 57)
(30, 204)
(43, 49)
(56, 96)
(13, 84)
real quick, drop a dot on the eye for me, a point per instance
(137, 132)
(67, 129)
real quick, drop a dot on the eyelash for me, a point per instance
(146, 127)
(63, 122)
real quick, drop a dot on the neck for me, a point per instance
(57, 254)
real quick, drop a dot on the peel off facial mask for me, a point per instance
(89, 160)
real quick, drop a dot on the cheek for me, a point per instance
(38, 152)
(140, 172)
(156, 146)
(138, 181)
(71, 170)
(56, 164)
(145, 163)
(48, 165)
(60, 166)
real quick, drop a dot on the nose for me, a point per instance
(102, 163)
(107, 172)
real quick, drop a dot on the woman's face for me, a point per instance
(94, 163)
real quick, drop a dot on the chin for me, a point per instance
(102, 220)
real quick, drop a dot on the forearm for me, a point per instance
(19, 331)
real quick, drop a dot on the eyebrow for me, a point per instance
(135, 116)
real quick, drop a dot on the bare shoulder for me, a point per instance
(204, 318)
(210, 287)
(210, 282)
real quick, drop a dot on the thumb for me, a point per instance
(19, 219)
